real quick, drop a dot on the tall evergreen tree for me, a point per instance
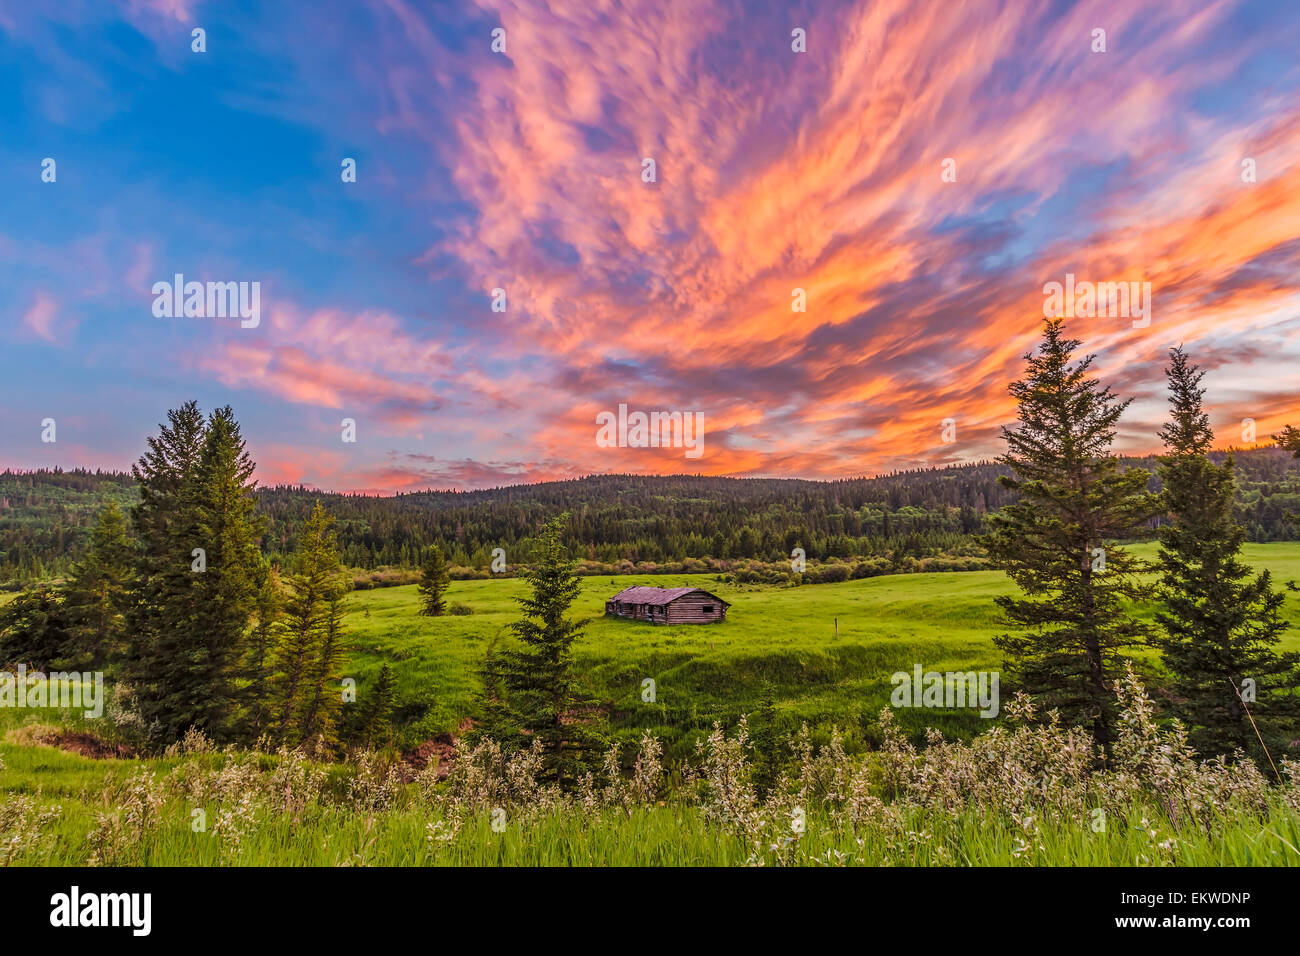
(196, 573)
(433, 582)
(323, 701)
(158, 627)
(97, 593)
(226, 525)
(1057, 541)
(309, 646)
(536, 677)
(256, 661)
(1221, 622)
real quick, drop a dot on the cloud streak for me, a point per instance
(776, 172)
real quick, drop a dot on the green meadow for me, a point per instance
(780, 637)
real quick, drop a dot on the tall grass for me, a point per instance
(678, 836)
(1026, 794)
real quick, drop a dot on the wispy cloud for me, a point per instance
(41, 317)
(775, 171)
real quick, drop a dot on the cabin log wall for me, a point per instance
(690, 609)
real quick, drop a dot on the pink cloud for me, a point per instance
(42, 318)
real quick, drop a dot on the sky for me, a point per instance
(921, 171)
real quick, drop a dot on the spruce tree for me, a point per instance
(377, 710)
(255, 666)
(1057, 541)
(536, 677)
(1221, 622)
(158, 626)
(196, 574)
(323, 701)
(35, 629)
(221, 520)
(433, 582)
(97, 593)
(309, 644)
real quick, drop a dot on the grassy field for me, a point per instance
(664, 836)
(782, 636)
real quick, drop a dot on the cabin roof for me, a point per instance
(649, 595)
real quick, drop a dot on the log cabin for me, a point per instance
(668, 605)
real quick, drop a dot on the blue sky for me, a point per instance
(523, 170)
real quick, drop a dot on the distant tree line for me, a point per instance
(46, 517)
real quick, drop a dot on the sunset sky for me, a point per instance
(775, 170)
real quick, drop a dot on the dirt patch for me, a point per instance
(440, 749)
(88, 745)
(73, 741)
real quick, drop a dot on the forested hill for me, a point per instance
(45, 515)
